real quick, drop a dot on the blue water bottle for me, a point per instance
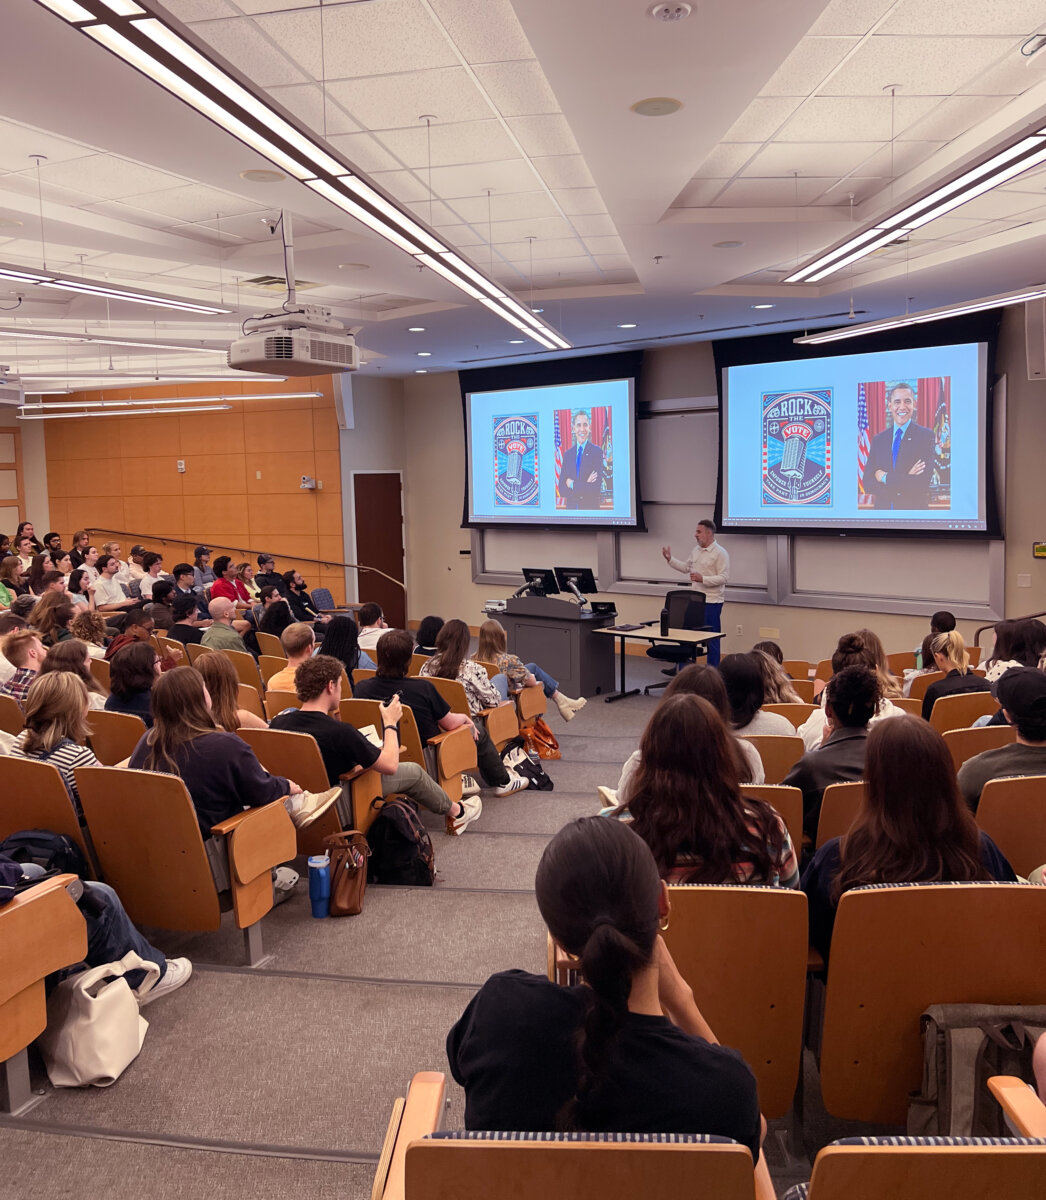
(320, 884)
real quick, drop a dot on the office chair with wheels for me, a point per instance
(686, 610)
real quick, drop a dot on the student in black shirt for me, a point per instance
(267, 575)
(298, 598)
(186, 628)
(629, 1052)
(949, 653)
(343, 748)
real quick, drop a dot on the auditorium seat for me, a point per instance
(804, 689)
(960, 711)
(789, 803)
(779, 753)
(1025, 1112)
(12, 720)
(1012, 812)
(901, 661)
(114, 735)
(796, 713)
(170, 647)
(913, 708)
(796, 668)
(196, 651)
(921, 682)
(840, 805)
(246, 667)
(270, 664)
(35, 797)
(824, 671)
(362, 673)
(501, 722)
(417, 661)
(100, 669)
(249, 697)
(277, 701)
(269, 644)
(965, 743)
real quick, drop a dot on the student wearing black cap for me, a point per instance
(1022, 694)
(267, 575)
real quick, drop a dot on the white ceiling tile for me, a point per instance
(605, 245)
(254, 228)
(509, 175)
(771, 193)
(1009, 77)
(613, 262)
(761, 119)
(361, 39)
(485, 31)
(125, 212)
(27, 250)
(997, 205)
(404, 185)
(727, 159)
(194, 202)
(451, 145)
(365, 151)
(811, 158)
(854, 17)
(548, 134)
(268, 6)
(861, 118)
(921, 63)
(135, 262)
(462, 235)
(206, 275)
(953, 116)
(903, 157)
(699, 192)
(580, 200)
(1030, 181)
(397, 101)
(518, 89)
(506, 206)
(594, 225)
(1015, 18)
(946, 228)
(199, 10)
(809, 63)
(242, 44)
(437, 213)
(17, 142)
(107, 177)
(541, 250)
(564, 171)
(306, 102)
(543, 228)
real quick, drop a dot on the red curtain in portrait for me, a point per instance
(875, 398)
(929, 393)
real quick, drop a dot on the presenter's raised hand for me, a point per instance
(666, 552)
(918, 469)
(593, 477)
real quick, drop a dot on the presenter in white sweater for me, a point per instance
(709, 568)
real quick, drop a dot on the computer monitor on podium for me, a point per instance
(581, 578)
(542, 581)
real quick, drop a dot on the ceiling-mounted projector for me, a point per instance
(11, 390)
(306, 341)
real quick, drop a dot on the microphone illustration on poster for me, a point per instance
(797, 447)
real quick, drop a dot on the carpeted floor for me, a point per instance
(246, 1076)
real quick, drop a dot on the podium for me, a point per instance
(559, 636)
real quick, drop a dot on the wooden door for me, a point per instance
(378, 513)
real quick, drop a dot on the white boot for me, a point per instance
(567, 707)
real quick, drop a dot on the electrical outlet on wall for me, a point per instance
(740, 630)
(1024, 581)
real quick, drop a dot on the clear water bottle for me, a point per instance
(320, 884)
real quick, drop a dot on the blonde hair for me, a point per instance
(223, 685)
(16, 645)
(777, 687)
(89, 627)
(889, 684)
(952, 649)
(493, 640)
(55, 709)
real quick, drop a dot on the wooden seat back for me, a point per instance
(840, 805)
(114, 735)
(963, 744)
(824, 670)
(779, 753)
(897, 950)
(804, 689)
(361, 713)
(12, 719)
(975, 655)
(100, 669)
(35, 797)
(41, 931)
(410, 737)
(276, 702)
(743, 951)
(1012, 812)
(502, 723)
(149, 846)
(362, 673)
(269, 665)
(789, 803)
(901, 661)
(960, 712)
(796, 713)
(921, 682)
(490, 668)
(246, 668)
(249, 698)
(913, 708)
(169, 646)
(531, 703)
(796, 668)
(271, 646)
(417, 661)
(197, 650)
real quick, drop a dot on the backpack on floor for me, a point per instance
(53, 851)
(516, 758)
(540, 740)
(400, 846)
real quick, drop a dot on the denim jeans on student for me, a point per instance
(500, 681)
(544, 678)
(111, 932)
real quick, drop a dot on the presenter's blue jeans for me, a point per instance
(714, 620)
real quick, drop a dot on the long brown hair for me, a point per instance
(914, 826)
(493, 640)
(687, 800)
(11, 572)
(224, 686)
(452, 648)
(51, 614)
(71, 656)
(777, 687)
(55, 708)
(699, 679)
(180, 714)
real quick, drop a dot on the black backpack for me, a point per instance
(400, 846)
(52, 851)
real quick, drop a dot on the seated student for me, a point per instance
(221, 635)
(942, 621)
(774, 651)
(297, 596)
(425, 637)
(698, 679)
(9, 622)
(924, 655)
(62, 562)
(152, 566)
(628, 1051)
(318, 684)
(88, 563)
(1022, 694)
(1018, 643)
(138, 627)
(685, 802)
(132, 673)
(223, 687)
(949, 653)
(25, 652)
(744, 689)
(372, 625)
(493, 648)
(185, 585)
(51, 616)
(80, 590)
(90, 628)
(226, 583)
(56, 728)
(73, 656)
(39, 566)
(160, 608)
(81, 542)
(860, 649)
(220, 771)
(912, 828)
(203, 576)
(25, 549)
(851, 698)
(276, 612)
(186, 625)
(299, 644)
(245, 575)
(109, 595)
(777, 687)
(12, 582)
(267, 575)
(25, 531)
(451, 661)
(110, 932)
(431, 712)
(341, 641)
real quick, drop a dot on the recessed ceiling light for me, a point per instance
(764, 305)
(421, 371)
(415, 328)
(260, 175)
(727, 245)
(9, 223)
(424, 354)
(516, 341)
(657, 106)
(537, 310)
(627, 325)
(353, 267)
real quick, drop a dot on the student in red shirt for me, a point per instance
(226, 584)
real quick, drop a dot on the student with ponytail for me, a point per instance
(628, 1051)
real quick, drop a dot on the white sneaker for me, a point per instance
(608, 796)
(177, 973)
(472, 806)
(283, 882)
(469, 787)
(516, 783)
(311, 805)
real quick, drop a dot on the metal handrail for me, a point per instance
(163, 539)
(1028, 617)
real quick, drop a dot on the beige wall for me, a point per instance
(34, 471)
(440, 579)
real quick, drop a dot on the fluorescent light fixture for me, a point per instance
(884, 239)
(115, 293)
(49, 392)
(533, 334)
(100, 340)
(456, 261)
(376, 200)
(1003, 300)
(128, 412)
(68, 9)
(441, 268)
(124, 8)
(137, 402)
(347, 204)
(24, 276)
(127, 378)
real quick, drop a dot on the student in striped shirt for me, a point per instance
(56, 728)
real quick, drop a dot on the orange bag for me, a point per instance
(540, 740)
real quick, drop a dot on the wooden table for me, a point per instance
(651, 634)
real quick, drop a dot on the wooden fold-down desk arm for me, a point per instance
(257, 840)
(502, 723)
(1023, 1108)
(420, 1114)
(455, 750)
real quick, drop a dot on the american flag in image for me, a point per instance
(863, 442)
(559, 452)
